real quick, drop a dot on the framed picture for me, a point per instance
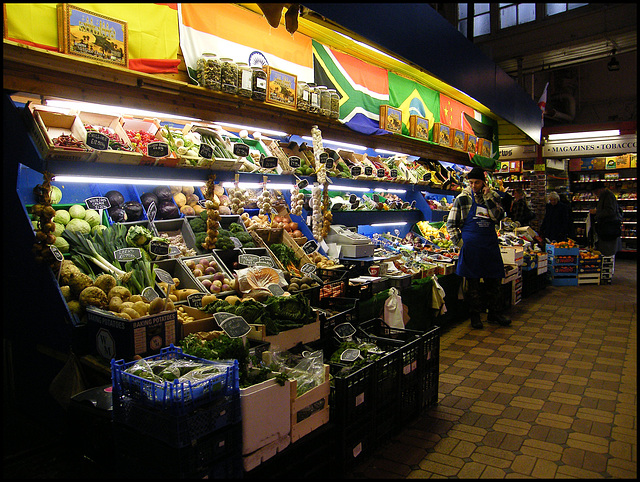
(93, 36)
(442, 134)
(390, 119)
(419, 127)
(485, 148)
(472, 143)
(459, 139)
(281, 88)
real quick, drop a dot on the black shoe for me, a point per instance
(476, 322)
(498, 318)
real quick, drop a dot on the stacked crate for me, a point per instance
(193, 427)
(607, 270)
(562, 265)
(589, 269)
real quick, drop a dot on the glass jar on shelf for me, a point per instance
(303, 96)
(208, 71)
(325, 101)
(258, 83)
(335, 104)
(314, 99)
(245, 79)
(229, 76)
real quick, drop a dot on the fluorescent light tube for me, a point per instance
(252, 129)
(336, 143)
(348, 188)
(124, 180)
(399, 191)
(399, 223)
(256, 185)
(583, 135)
(113, 110)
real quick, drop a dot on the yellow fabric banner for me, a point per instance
(153, 27)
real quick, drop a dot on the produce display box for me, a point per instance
(196, 458)
(46, 124)
(356, 442)
(565, 281)
(364, 287)
(289, 338)
(310, 410)
(542, 268)
(203, 321)
(123, 339)
(267, 237)
(556, 270)
(263, 454)
(176, 397)
(399, 282)
(177, 269)
(344, 311)
(563, 260)
(444, 269)
(510, 274)
(584, 279)
(334, 282)
(512, 254)
(158, 213)
(109, 155)
(128, 191)
(352, 396)
(151, 126)
(171, 226)
(213, 256)
(266, 416)
(553, 251)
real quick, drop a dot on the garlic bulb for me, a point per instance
(321, 172)
(238, 200)
(297, 200)
(316, 216)
(264, 202)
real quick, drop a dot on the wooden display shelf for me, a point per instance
(42, 72)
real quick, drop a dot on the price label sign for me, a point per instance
(426, 177)
(294, 162)
(195, 300)
(150, 294)
(380, 172)
(303, 183)
(248, 259)
(205, 151)
(163, 276)
(236, 242)
(276, 289)
(308, 268)
(240, 150)
(329, 163)
(393, 173)
(368, 171)
(350, 355)
(174, 250)
(268, 162)
(97, 203)
(344, 330)
(265, 261)
(233, 325)
(151, 211)
(56, 253)
(356, 171)
(127, 254)
(98, 141)
(159, 248)
(158, 149)
(322, 157)
(412, 205)
(353, 198)
(310, 246)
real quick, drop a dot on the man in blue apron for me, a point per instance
(471, 225)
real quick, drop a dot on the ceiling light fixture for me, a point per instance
(583, 135)
(124, 180)
(613, 64)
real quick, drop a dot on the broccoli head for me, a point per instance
(198, 225)
(236, 228)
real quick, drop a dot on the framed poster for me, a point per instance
(93, 36)
(281, 88)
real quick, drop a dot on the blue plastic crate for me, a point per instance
(566, 281)
(553, 251)
(177, 397)
(177, 430)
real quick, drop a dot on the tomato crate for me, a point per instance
(334, 311)
(137, 453)
(563, 259)
(352, 394)
(176, 397)
(563, 270)
(553, 251)
(334, 282)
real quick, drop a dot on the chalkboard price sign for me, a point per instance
(303, 183)
(323, 157)
(248, 259)
(149, 293)
(163, 276)
(98, 140)
(330, 163)
(308, 268)
(380, 172)
(294, 161)
(236, 242)
(265, 261)
(158, 149)
(268, 162)
(356, 171)
(393, 173)
(368, 171)
(151, 211)
(233, 325)
(127, 254)
(97, 202)
(276, 289)
(310, 246)
(350, 355)
(426, 176)
(195, 300)
(158, 248)
(205, 151)
(344, 330)
(56, 253)
(240, 150)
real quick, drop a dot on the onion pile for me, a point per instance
(44, 213)
(213, 215)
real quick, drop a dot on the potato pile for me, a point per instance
(186, 200)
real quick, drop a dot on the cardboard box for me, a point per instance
(459, 140)
(118, 338)
(623, 162)
(419, 127)
(316, 401)
(203, 321)
(391, 119)
(484, 147)
(111, 122)
(266, 417)
(472, 144)
(442, 134)
(287, 339)
(47, 124)
(512, 254)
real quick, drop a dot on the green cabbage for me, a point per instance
(56, 195)
(92, 217)
(62, 216)
(77, 211)
(78, 226)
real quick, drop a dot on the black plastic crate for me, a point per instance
(177, 430)
(353, 395)
(344, 310)
(334, 282)
(430, 373)
(364, 291)
(139, 454)
(356, 442)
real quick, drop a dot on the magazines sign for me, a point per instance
(590, 148)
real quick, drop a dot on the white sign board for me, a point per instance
(591, 148)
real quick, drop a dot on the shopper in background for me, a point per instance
(520, 210)
(471, 225)
(565, 199)
(555, 225)
(608, 220)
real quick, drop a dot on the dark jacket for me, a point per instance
(555, 225)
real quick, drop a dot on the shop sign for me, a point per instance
(518, 152)
(616, 145)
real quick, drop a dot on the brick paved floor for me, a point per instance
(554, 395)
